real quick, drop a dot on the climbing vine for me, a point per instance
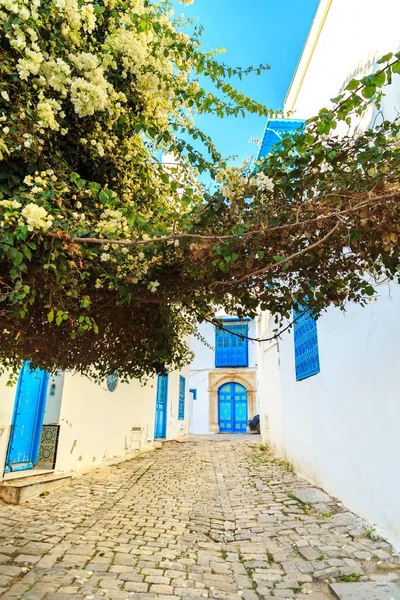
(110, 256)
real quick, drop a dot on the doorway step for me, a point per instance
(17, 488)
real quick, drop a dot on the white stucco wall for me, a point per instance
(7, 395)
(340, 427)
(203, 363)
(98, 426)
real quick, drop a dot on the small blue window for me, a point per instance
(305, 344)
(181, 408)
(193, 391)
(231, 350)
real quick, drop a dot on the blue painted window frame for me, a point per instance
(231, 350)
(182, 394)
(194, 392)
(306, 352)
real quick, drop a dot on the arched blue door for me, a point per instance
(27, 421)
(160, 428)
(232, 408)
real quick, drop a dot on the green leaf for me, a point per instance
(278, 258)
(19, 257)
(59, 320)
(385, 58)
(352, 85)
(50, 316)
(368, 91)
(369, 290)
(357, 235)
(396, 67)
(379, 79)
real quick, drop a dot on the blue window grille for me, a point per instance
(306, 353)
(181, 407)
(231, 350)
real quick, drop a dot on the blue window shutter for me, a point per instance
(231, 350)
(181, 407)
(275, 130)
(306, 352)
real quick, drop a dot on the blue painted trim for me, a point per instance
(228, 353)
(182, 396)
(232, 319)
(235, 426)
(162, 380)
(194, 392)
(273, 132)
(306, 351)
(40, 416)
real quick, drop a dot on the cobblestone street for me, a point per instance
(213, 517)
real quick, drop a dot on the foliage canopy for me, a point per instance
(109, 257)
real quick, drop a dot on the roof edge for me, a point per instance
(306, 55)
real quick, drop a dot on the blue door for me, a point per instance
(232, 408)
(30, 399)
(160, 429)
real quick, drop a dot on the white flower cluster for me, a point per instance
(46, 112)
(263, 182)
(10, 204)
(37, 217)
(113, 222)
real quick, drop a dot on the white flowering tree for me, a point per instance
(108, 258)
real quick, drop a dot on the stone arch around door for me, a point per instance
(218, 378)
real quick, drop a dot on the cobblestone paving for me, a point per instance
(214, 517)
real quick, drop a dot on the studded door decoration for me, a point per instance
(232, 413)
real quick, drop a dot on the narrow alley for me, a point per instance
(213, 517)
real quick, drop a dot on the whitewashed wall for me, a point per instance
(203, 363)
(341, 427)
(7, 395)
(97, 426)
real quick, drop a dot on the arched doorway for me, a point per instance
(232, 408)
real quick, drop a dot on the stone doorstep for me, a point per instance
(366, 591)
(16, 491)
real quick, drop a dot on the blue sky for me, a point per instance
(253, 32)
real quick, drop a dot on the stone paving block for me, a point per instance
(311, 496)
(366, 591)
(24, 559)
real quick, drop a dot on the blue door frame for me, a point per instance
(160, 428)
(27, 421)
(232, 408)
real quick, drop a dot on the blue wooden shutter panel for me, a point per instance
(305, 345)
(181, 407)
(231, 350)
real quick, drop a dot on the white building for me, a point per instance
(223, 378)
(64, 423)
(336, 418)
